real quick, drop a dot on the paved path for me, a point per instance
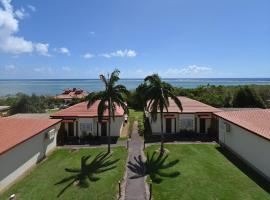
(135, 187)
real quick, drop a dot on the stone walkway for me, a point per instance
(135, 186)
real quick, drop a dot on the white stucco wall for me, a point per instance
(156, 125)
(15, 162)
(248, 146)
(116, 126)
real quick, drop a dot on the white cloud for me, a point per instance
(88, 55)
(63, 50)
(191, 70)
(32, 8)
(121, 53)
(10, 67)
(20, 13)
(92, 33)
(44, 70)
(9, 26)
(67, 69)
(42, 49)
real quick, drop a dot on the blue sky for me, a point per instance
(175, 38)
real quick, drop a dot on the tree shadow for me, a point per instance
(88, 171)
(155, 167)
(246, 169)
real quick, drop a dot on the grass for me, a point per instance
(62, 176)
(192, 172)
(134, 115)
(52, 111)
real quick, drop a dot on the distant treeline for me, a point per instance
(22, 103)
(254, 96)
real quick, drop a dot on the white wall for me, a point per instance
(19, 159)
(250, 147)
(156, 125)
(116, 126)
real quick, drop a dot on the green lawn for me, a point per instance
(50, 178)
(134, 115)
(202, 172)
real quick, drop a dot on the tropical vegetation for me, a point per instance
(112, 96)
(218, 96)
(157, 94)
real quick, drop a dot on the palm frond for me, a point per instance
(114, 77)
(93, 97)
(177, 101)
(102, 107)
(104, 80)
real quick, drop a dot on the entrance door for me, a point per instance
(71, 129)
(202, 125)
(168, 125)
(103, 129)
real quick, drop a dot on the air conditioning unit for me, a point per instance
(51, 134)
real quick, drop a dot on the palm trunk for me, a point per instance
(109, 132)
(109, 136)
(162, 136)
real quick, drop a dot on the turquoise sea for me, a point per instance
(56, 86)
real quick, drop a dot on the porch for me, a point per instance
(84, 131)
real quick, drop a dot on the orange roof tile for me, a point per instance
(72, 95)
(81, 110)
(14, 131)
(190, 106)
(255, 121)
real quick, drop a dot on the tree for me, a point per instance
(109, 99)
(247, 97)
(28, 104)
(157, 96)
(136, 98)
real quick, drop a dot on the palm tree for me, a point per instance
(109, 99)
(157, 96)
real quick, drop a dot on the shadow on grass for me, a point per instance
(250, 172)
(88, 172)
(155, 167)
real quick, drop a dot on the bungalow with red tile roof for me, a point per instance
(74, 93)
(23, 143)
(247, 134)
(80, 122)
(195, 116)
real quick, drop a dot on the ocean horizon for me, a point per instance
(56, 86)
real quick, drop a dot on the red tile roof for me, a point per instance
(76, 94)
(255, 121)
(14, 131)
(81, 110)
(191, 106)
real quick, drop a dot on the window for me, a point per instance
(228, 127)
(186, 124)
(86, 127)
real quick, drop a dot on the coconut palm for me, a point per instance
(157, 96)
(109, 99)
